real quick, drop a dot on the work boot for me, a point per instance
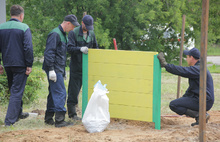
(197, 120)
(48, 119)
(72, 113)
(75, 117)
(59, 119)
(23, 116)
(193, 114)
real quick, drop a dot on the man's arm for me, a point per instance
(28, 48)
(95, 44)
(188, 72)
(1, 69)
(28, 51)
(72, 43)
(50, 51)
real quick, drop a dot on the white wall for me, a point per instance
(2, 11)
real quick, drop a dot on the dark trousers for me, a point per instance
(75, 84)
(57, 94)
(180, 105)
(16, 82)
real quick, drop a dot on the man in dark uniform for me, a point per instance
(80, 40)
(54, 66)
(17, 54)
(188, 104)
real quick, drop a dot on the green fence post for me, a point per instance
(84, 83)
(156, 93)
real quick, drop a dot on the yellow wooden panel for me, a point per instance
(128, 98)
(121, 56)
(129, 112)
(121, 70)
(123, 84)
(129, 79)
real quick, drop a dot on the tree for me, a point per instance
(136, 24)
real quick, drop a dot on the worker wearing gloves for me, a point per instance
(188, 104)
(80, 40)
(54, 66)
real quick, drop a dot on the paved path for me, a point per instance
(214, 59)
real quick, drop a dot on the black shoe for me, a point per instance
(197, 120)
(75, 117)
(59, 119)
(207, 117)
(196, 123)
(49, 122)
(48, 119)
(63, 124)
(23, 115)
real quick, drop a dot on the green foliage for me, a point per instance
(102, 36)
(214, 68)
(4, 91)
(213, 50)
(32, 85)
(136, 24)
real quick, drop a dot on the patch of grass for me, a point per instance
(213, 50)
(214, 68)
(168, 93)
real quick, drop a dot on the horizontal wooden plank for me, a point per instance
(129, 112)
(121, 56)
(128, 98)
(122, 71)
(123, 84)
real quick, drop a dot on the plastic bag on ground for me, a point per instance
(96, 117)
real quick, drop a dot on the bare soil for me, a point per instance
(174, 128)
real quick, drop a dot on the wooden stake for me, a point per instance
(84, 13)
(203, 71)
(181, 54)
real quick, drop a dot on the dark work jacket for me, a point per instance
(75, 42)
(16, 44)
(55, 52)
(193, 73)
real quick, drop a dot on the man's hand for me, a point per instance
(84, 49)
(1, 69)
(28, 70)
(52, 76)
(162, 60)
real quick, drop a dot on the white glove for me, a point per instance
(84, 49)
(52, 76)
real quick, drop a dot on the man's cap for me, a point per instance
(88, 21)
(193, 52)
(72, 18)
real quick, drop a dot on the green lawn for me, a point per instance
(213, 50)
(168, 93)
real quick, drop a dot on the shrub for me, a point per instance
(32, 85)
(4, 91)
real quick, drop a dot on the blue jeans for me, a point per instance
(16, 82)
(180, 105)
(57, 94)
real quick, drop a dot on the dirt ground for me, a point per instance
(174, 128)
